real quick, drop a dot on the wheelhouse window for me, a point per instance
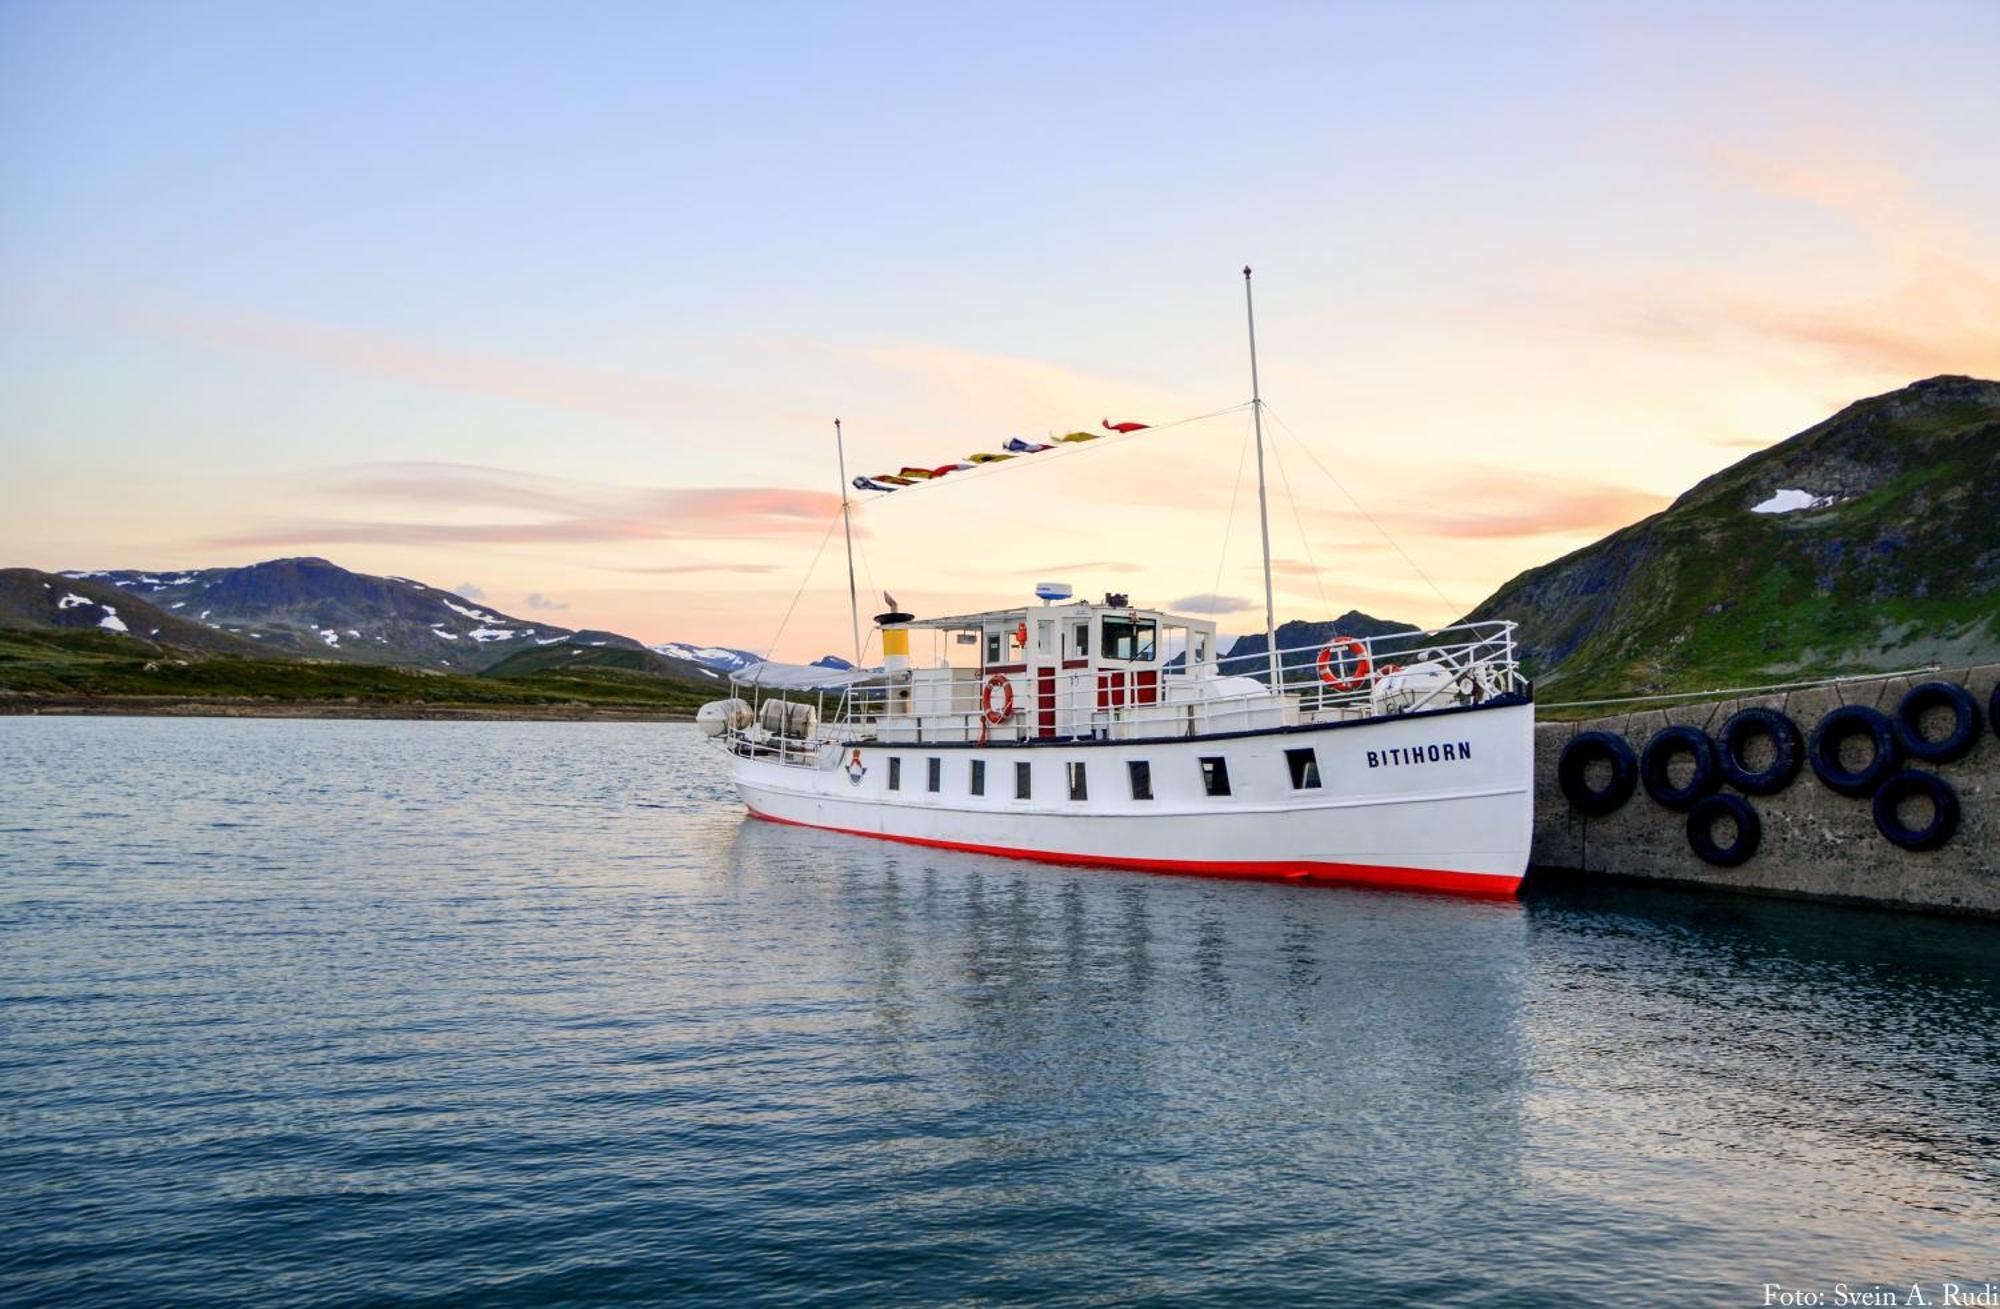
(1079, 645)
(978, 781)
(1215, 775)
(1130, 639)
(895, 773)
(1079, 784)
(1024, 781)
(996, 648)
(1305, 768)
(1142, 778)
(934, 775)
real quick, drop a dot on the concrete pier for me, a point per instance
(1816, 843)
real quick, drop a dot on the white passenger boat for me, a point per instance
(1119, 736)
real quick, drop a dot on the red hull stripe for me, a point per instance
(1287, 870)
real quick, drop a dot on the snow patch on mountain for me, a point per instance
(1791, 501)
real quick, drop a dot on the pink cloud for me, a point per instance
(570, 511)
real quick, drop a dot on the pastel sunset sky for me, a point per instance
(560, 301)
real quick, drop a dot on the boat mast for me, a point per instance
(1263, 504)
(847, 530)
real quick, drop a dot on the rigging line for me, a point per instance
(772, 648)
(1042, 457)
(1745, 690)
(1393, 543)
(1228, 523)
(1298, 520)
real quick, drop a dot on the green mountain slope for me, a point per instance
(32, 600)
(1892, 560)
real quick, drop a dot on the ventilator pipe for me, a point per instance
(895, 640)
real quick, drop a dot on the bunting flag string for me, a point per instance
(1016, 447)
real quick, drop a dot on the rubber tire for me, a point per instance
(1701, 839)
(1578, 755)
(1910, 713)
(1789, 746)
(1653, 767)
(1823, 751)
(1943, 799)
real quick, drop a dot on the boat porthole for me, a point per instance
(1711, 810)
(1838, 726)
(1739, 735)
(1605, 750)
(1922, 699)
(1909, 785)
(1655, 762)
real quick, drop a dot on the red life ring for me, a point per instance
(1361, 666)
(1000, 683)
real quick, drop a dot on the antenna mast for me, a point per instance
(847, 530)
(1263, 504)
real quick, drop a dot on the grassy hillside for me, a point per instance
(36, 664)
(1896, 563)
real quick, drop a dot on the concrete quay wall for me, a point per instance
(1816, 844)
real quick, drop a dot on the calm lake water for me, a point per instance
(441, 1013)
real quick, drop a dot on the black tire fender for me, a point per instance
(1666, 743)
(1926, 696)
(1788, 745)
(1701, 822)
(1944, 807)
(1586, 748)
(1823, 751)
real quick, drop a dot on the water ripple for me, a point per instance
(429, 1013)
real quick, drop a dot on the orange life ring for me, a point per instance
(998, 716)
(1361, 667)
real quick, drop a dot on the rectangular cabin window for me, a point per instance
(934, 775)
(996, 648)
(1024, 782)
(978, 783)
(895, 772)
(1079, 646)
(1142, 779)
(1215, 775)
(1079, 785)
(1130, 639)
(1305, 768)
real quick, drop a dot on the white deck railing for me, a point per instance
(1350, 678)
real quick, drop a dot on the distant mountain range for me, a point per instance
(313, 607)
(1868, 542)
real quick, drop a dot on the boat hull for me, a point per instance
(1432, 801)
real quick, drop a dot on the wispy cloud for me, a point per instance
(1212, 604)
(1940, 311)
(1486, 504)
(691, 570)
(570, 387)
(536, 600)
(994, 384)
(563, 510)
(470, 590)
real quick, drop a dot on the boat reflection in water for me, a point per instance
(1417, 1095)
